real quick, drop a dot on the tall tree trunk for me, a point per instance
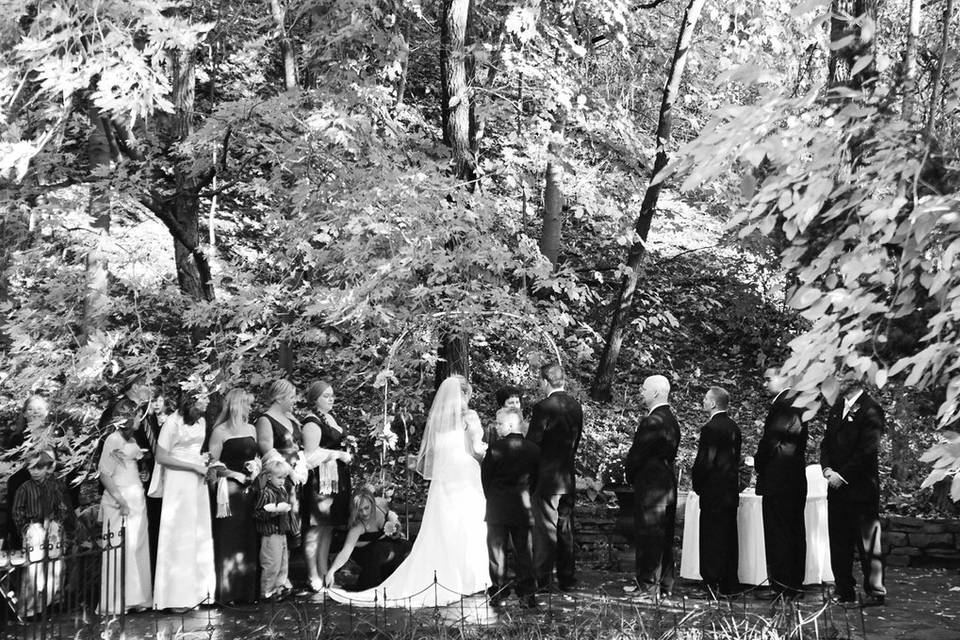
(95, 301)
(454, 350)
(279, 11)
(456, 93)
(193, 268)
(603, 381)
(910, 60)
(552, 214)
(846, 21)
(938, 79)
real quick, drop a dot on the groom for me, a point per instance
(555, 427)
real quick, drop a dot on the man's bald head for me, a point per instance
(656, 390)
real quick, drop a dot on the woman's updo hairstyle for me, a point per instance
(280, 389)
(315, 390)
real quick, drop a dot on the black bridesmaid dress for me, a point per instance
(235, 538)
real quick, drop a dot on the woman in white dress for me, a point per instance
(123, 505)
(451, 544)
(185, 567)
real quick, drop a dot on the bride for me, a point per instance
(451, 544)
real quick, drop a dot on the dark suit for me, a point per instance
(508, 474)
(782, 481)
(649, 467)
(555, 427)
(850, 447)
(716, 477)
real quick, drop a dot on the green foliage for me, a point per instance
(867, 213)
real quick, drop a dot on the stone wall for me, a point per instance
(604, 538)
(914, 542)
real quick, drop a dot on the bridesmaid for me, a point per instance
(278, 429)
(185, 572)
(327, 494)
(124, 505)
(372, 541)
(233, 443)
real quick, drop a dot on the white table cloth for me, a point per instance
(752, 564)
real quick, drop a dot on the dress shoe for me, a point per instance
(844, 598)
(874, 600)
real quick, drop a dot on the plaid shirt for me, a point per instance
(40, 501)
(272, 523)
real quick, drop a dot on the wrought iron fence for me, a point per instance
(55, 589)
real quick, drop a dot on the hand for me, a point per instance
(346, 457)
(834, 479)
(124, 507)
(283, 507)
(328, 579)
(270, 507)
(200, 470)
(239, 477)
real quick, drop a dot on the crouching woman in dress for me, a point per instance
(373, 541)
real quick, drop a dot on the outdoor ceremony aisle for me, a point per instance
(921, 605)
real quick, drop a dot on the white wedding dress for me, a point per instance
(451, 544)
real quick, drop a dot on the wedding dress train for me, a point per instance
(449, 555)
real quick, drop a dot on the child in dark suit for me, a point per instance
(508, 473)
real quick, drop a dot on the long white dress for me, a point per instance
(137, 589)
(185, 566)
(452, 537)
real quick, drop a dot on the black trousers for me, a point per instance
(553, 539)
(154, 507)
(719, 547)
(855, 525)
(785, 541)
(499, 537)
(655, 514)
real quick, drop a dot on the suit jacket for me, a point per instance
(650, 461)
(716, 471)
(555, 427)
(851, 446)
(508, 473)
(781, 454)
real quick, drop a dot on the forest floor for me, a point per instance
(922, 604)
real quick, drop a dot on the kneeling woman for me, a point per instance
(372, 541)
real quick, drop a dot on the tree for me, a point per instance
(603, 379)
(872, 236)
(279, 11)
(853, 25)
(910, 59)
(938, 78)
(455, 110)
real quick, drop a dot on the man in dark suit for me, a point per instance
(848, 455)
(555, 427)
(780, 463)
(716, 477)
(508, 474)
(649, 467)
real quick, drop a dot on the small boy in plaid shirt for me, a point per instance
(273, 524)
(41, 510)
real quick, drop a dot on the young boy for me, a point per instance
(41, 509)
(508, 473)
(273, 524)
